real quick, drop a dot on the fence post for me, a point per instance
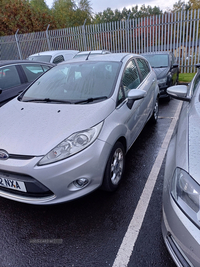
(47, 36)
(127, 34)
(84, 36)
(17, 42)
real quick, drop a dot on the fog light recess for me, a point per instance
(81, 182)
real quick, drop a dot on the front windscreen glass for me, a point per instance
(75, 82)
(45, 58)
(158, 61)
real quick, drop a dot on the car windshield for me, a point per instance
(75, 83)
(158, 60)
(45, 58)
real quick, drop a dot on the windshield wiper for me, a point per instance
(47, 100)
(89, 100)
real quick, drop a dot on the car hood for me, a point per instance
(36, 128)
(161, 72)
(194, 140)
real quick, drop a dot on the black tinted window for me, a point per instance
(58, 59)
(9, 77)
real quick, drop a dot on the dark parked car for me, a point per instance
(181, 190)
(166, 69)
(16, 75)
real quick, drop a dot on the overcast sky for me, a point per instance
(101, 5)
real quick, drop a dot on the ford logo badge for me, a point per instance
(3, 155)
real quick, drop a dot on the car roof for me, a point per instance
(117, 57)
(25, 61)
(156, 53)
(55, 52)
(94, 52)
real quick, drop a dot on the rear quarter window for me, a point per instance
(33, 71)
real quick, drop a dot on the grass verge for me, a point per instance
(186, 77)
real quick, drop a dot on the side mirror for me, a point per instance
(174, 66)
(135, 94)
(179, 92)
(0, 90)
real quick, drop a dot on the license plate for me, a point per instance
(12, 184)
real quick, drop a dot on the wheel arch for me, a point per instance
(122, 140)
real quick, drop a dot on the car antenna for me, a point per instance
(88, 55)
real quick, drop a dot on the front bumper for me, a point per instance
(181, 236)
(53, 183)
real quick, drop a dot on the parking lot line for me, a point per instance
(128, 242)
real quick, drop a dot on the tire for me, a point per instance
(114, 168)
(154, 116)
(168, 98)
(177, 80)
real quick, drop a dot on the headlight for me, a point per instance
(72, 145)
(186, 193)
(164, 80)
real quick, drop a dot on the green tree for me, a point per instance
(180, 6)
(18, 14)
(64, 13)
(40, 5)
(108, 15)
(194, 4)
(149, 11)
(83, 12)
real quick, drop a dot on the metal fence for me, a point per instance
(177, 32)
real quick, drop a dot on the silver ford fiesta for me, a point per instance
(181, 191)
(68, 133)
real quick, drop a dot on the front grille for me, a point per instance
(22, 157)
(34, 187)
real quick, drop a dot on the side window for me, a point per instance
(131, 78)
(9, 77)
(32, 71)
(196, 82)
(58, 59)
(144, 67)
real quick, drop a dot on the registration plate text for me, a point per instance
(12, 184)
